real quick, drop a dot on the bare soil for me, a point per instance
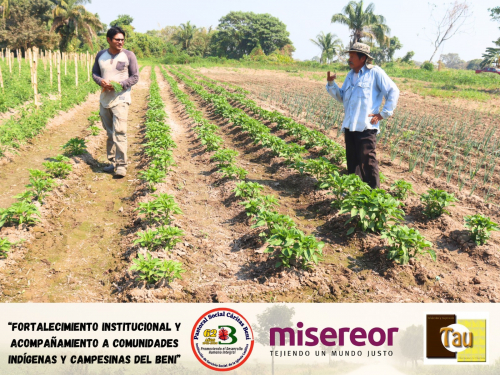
(83, 248)
(71, 255)
(224, 256)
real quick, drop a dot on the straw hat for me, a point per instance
(363, 48)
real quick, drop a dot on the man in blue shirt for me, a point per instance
(361, 94)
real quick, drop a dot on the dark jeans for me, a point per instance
(361, 156)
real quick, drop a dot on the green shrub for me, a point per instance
(153, 269)
(292, 246)
(435, 202)
(402, 189)
(479, 228)
(406, 243)
(372, 208)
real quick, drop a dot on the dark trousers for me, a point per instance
(361, 156)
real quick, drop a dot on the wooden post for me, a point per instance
(19, 63)
(10, 61)
(35, 76)
(76, 70)
(88, 67)
(50, 67)
(1, 78)
(59, 56)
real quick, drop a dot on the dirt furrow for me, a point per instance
(77, 246)
(456, 277)
(14, 172)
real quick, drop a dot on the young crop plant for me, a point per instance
(40, 184)
(59, 168)
(373, 208)
(75, 147)
(19, 213)
(480, 227)
(342, 186)
(163, 236)
(212, 142)
(406, 243)
(225, 157)
(402, 189)
(435, 202)
(94, 130)
(292, 247)
(248, 190)
(232, 171)
(152, 269)
(152, 176)
(170, 236)
(320, 167)
(5, 246)
(259, 204)
(160, 209)
(272, 220)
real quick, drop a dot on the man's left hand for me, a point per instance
(375, 118)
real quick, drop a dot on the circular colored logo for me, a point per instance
(222, 339)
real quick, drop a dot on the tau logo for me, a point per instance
(461, 338)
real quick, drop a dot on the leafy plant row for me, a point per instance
(18, 88)
(32, 120)
(374, 210)
(285, 242)
(260, 133)
(25, 211)
(311, 138)
(158, 212)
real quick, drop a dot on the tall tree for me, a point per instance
(329, 44)
(4, 8)
(122, 20)
(450, 24)
(363, 23)
(492, 54)
(71, 20)
(27, 25)
(238, 33)
(385, 52)
(185, 34)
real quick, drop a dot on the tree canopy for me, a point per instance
(329, 44)
(363, 22)
(238, 33)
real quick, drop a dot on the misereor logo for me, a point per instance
(222, 339)
(456, 338)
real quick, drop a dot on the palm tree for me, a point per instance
(4, 8)
(491, 56)
(185, 34)
(363, 23)
(71, 19)
(330, 45)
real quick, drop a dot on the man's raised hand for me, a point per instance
(331, 77)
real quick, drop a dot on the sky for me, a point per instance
(409, 20)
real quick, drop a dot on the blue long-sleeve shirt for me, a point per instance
(365, 97)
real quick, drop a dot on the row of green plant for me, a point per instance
(93, 119)
(207, 133)
(260, 133)
(32, 120)
(435, 200)
(374, 209)
(311, 138)
(285, 242)
(157, 212)
(24, 210)
(18, 87)
(456, 146)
